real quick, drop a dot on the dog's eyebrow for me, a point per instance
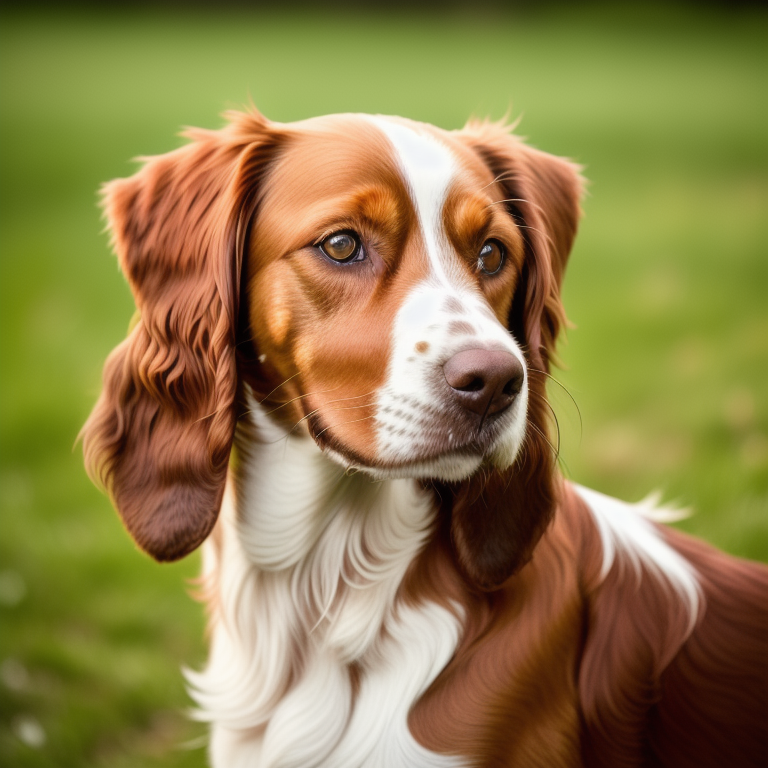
(469, 218)
(379, 208)
(467, 213)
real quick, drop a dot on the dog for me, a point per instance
(335, 383)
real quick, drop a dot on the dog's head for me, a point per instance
(390, 289)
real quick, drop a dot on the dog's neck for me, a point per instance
(344, 540)
(309, 561)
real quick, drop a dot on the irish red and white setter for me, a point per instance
(336, 385)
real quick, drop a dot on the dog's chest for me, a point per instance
(322, 653)
(315, 660)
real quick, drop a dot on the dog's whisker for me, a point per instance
(567, 392)
(554, 450)
(304, 417)
(512, 200)
(343, 423)
(289, 402)
(282, 384)
(340, 400)
(355, 397)
(352, 407)
(299, 397)
(319, 392)
(505, 176)
(551, 411)
(545, 235)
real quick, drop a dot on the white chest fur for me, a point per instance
(306, 578)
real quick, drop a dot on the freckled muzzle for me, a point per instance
(456, 387)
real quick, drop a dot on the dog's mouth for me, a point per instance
(447, 453)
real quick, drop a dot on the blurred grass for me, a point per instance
(667, 286)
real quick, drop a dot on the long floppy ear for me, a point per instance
(497, 519)
(160, 435)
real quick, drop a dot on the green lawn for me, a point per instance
(667, 287)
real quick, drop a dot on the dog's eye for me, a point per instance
(491, 257)
(343, 247)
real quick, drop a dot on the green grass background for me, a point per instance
(667, 287)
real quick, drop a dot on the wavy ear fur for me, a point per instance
(497, 519)
(160, 435)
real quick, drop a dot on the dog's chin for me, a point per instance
(451, 467)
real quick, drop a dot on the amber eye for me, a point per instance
(343, 247)
(491, 257)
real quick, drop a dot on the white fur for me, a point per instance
(428, 167)
(627, 536)
(308, 574)
(408, 395)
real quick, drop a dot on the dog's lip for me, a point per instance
(468, 450)
(470, 446)
(433, 466)
(462, 452)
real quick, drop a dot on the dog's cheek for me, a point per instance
(271, 305)
(343, 363)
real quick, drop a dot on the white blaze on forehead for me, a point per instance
(428, 167)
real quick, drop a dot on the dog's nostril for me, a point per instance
(513, 386)
(474, 386)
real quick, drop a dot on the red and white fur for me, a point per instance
(396, 574)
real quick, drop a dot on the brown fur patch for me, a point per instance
(514, 664)
(159, 438)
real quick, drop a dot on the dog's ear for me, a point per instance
(160, 435)
(497, 519)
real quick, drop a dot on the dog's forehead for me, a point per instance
(432, 161)
(328, 155)
(429, 168)
(427, 163)
(405, 179)
(335, 154)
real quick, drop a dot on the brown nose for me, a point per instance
(484, 381)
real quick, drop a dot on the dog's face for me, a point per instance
(382, 265)
(387, 287)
